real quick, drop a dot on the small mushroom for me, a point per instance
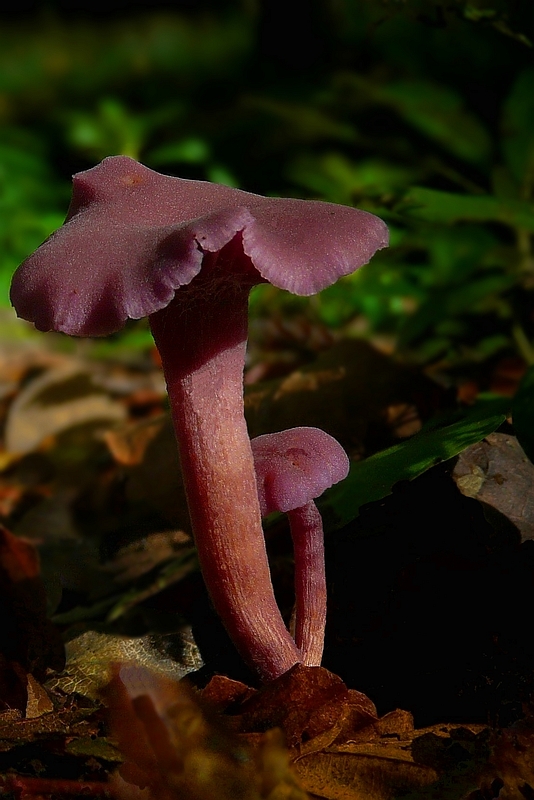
(293, 467)
(186, 253)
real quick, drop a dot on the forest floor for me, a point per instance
(430, 590)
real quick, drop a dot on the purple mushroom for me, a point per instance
(186, 253)
(293, 467)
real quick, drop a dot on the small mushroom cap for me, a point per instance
(132, 237)
(295, 466)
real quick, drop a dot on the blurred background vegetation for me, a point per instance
(421, 111)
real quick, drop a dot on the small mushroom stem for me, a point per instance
(310, 582)
(201, 337)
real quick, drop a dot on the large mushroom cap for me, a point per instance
(132, 237)
(295, 466)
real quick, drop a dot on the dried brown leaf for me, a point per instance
(128, 442)
(38, 702)
(91, 656)
(223, 693)
(498, 473)
(395, 759)
(139, 557)
(174, 748)
(306, 703)
(512, 761)
(56, 400)
(339, 748)
(372, 773)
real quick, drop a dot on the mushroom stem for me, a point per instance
(201, 337)
(310, 582)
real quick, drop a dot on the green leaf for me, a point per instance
(457, 252)
(173, 571)
(439, 113)
(113, 128)
(472, 297)
(218, 173)
(518, 129)
(336, 178)
(374, 477)
(192, 150)
(477, 294)
(32, 200)
(83, 613)
(305, 123)
(448, 207)
(523, 413)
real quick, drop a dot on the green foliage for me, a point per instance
(424, 114)
(517, 132)
(436, 111)
(47, 65)
(32, 200)
(448, 207)
(113, 128)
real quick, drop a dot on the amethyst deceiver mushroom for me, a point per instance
(186, 253)
(293, 467)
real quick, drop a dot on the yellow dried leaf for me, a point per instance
(375, 771)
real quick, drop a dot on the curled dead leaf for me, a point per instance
(306, 703)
